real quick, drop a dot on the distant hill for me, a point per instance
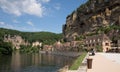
(45, 37)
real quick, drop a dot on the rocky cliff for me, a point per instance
(16, 41)
(91, 16)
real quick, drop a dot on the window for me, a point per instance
(92, 44)
(107, 44)
(97, 43)
(89, 45)
(90, 41)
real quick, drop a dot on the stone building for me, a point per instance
(57, 46)
(48, 48)
(67, 46)
(118, 43)
(16, 40)
(100, 40)
(37, 43)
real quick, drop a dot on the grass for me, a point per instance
(78, 62)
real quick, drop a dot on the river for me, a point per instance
(33, 62)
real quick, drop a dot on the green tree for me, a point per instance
(99, 48)
(6, 48)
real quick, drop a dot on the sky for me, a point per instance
(36, 15)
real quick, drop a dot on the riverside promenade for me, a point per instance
(105, 62)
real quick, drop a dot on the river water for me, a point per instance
(33, 62)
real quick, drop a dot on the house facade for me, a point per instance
(37, 43)
(95, 41)
(118, 43)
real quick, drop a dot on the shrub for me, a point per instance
(6, 48)
(99, 48)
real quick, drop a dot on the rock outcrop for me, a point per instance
(90, 16)
(16, 41)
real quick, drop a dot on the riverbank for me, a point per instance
(62, 53)
(82, 67)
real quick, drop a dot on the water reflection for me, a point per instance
(5, 63)
(33, 62)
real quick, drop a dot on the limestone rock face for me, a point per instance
(90, 16)
(16, 41)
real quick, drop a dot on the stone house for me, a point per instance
(37, 43)
(57, 46)
(100, 40)
(48, 48)
(67, 46)
(118, 43)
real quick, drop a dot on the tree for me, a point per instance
(99, 48)
(6, 48)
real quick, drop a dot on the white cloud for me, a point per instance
(30, 23)
(15, 21)
(9, 26)
(20, 28)
(57, 6)
(5, 25)
(33, 29)
(45, 1)
(2, 23)
(19, 7)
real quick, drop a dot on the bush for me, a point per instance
(99, 48)
(6, 48)
(29, 49)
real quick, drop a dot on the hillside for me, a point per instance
(93, 17)
(45, 37)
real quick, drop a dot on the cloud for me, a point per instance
(5, 25)
(9, 26)
(2, 23)
(19, 7)
(30, 29)
(30, 23)
(20, 28)
(57, 6)
(15, 21)
(45, 1)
